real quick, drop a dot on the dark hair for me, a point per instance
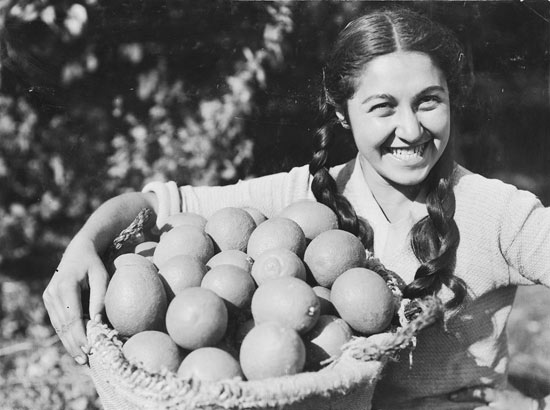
(435, 238)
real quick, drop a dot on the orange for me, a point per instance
(180, 272)
(276, 263)
(277, 233)
(326, 339)
(183, 218)
(256, 214)
(146, 249)
(153, 350)
(135, 299)
(233, 284)
(331, 253)
(210, 364)
(230, 228)
(231, 257)
(363, 300)
(196, 317)
(184, 240)
(288, 301)
(271, 350)
(327, 308)
(313, 217)
(132, 259)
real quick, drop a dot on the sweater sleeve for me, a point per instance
(525, 239)
(269, 194)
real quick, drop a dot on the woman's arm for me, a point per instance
(269, 194)
(525, 239)
(81, 269)
(113, 216)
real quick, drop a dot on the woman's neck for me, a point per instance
(394, 200)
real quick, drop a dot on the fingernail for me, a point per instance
(80, 360)
(85, 349)
(97, 317)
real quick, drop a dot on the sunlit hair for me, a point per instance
(435, 238)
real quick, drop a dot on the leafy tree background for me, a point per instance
(99, 97)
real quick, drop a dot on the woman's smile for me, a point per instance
(408, 155)
(400, 117)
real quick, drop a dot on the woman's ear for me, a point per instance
(342, 119)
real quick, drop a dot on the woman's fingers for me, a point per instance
(62, 299)
(480, 394)
(98, 279)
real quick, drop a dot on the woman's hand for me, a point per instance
(496, 399)
(80, 270)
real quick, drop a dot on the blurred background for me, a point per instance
(98, 98)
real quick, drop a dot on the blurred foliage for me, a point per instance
(35, 370)
(99, 97)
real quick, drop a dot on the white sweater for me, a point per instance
(504, 242)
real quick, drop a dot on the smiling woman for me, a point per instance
(391, 81)
(400, 120)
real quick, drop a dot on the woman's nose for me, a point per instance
(408, 127)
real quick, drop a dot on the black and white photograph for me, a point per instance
(274, 205)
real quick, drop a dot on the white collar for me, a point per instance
(359, 194)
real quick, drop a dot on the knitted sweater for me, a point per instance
(504, 242)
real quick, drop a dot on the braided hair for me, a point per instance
(435, 238)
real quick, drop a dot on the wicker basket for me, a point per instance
(346, 383)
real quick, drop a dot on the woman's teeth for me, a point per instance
(408, 153)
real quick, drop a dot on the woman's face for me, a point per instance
(400, 117)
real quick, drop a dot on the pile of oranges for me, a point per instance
(240, 295)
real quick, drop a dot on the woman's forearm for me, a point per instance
(113, 216)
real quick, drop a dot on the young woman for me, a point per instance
(391, 80)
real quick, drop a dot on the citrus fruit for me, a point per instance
(146, 249)
(210, 364)
(230, 228)
(271, 350)
(132, 259)
(287, 300)
(231, 257)
(183, 218)
(256, 214)
(233, 284)
(362, 298)
(196, 317)
(331, 253)
(135, 299)
(277, 233)
(313, 217)
(180, 272)
(327, 308)
(153, 350)
(326, 339)
(184, 240)
(276, 263)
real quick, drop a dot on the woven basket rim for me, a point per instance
(341, 376)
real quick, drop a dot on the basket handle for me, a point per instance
(135, 233)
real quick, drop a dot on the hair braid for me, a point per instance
(435, 238)
(324, 186)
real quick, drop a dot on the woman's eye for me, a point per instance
(381, 107)
(429, 102)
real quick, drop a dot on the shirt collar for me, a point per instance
(361, 198)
